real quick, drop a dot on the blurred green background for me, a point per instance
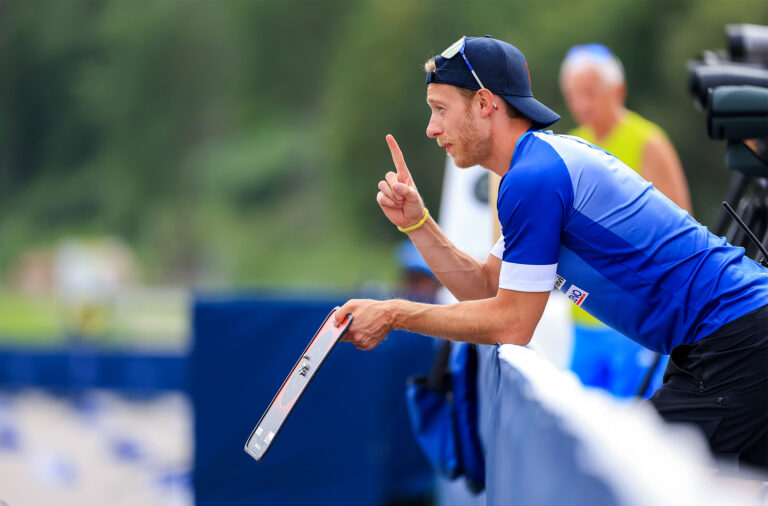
(239, 144)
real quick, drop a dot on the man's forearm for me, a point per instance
(459, 272)
(486, 321)
(510, 317)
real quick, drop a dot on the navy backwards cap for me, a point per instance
(502, 69)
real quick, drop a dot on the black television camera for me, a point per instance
(732, 87)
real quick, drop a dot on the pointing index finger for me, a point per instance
(403, 175)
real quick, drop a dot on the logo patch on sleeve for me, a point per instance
(577, 295)
(559, 281)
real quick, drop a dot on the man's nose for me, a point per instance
(433, 128)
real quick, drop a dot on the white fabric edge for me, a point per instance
(498, 249)
(527, 278)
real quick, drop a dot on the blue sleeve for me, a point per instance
(534, 198)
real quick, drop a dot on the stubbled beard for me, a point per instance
(469, 146)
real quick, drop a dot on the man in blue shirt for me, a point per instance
(577, 219)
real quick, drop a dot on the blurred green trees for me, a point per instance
(241, 142)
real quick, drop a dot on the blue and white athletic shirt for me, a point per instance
(576, 218)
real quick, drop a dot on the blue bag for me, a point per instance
(443, 413)
(434, 426)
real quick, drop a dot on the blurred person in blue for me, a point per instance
(417, 282)
(594, 87)
(576, 218)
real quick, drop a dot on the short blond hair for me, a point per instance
(430, 65)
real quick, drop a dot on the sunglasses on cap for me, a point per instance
(458, 48)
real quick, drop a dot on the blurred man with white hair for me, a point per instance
(593, 85)
(592, 81)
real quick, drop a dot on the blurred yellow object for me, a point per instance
(627, 139)
(584, 319)
(90, 320)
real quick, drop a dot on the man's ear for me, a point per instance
(486, 101)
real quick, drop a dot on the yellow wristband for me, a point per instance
(420, 223)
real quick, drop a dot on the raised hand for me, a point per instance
(398, 196)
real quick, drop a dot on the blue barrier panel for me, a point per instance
(81, 367)
(347, 442)
(549, 440)
(534, 458)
